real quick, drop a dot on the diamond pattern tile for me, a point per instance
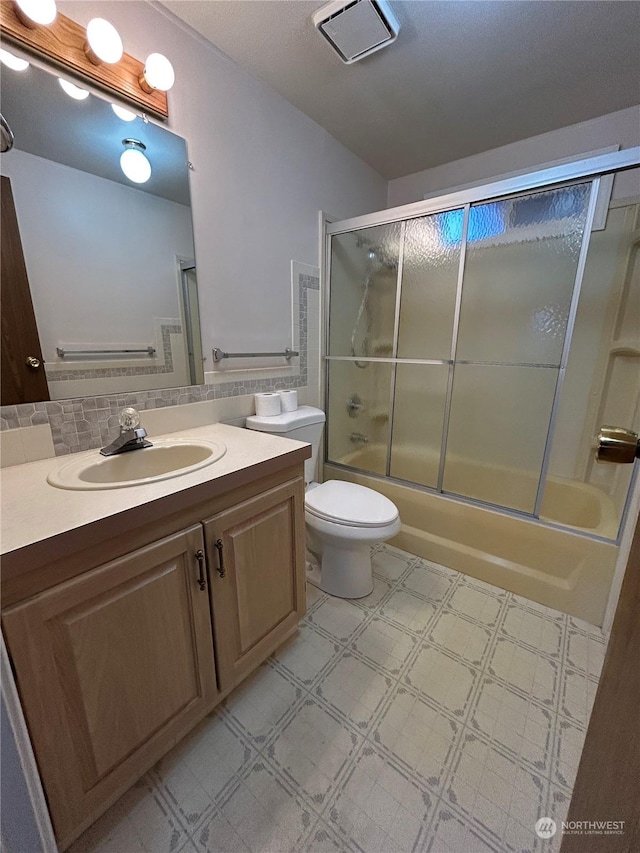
(437, 714)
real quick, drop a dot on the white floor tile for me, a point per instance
(437, 714)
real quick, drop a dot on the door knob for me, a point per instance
(617, 445)
(33, 362)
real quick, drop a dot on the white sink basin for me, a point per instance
(167, 458)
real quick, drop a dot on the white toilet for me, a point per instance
(343, 519)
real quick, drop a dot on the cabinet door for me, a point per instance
(257, 603)
(113, 668)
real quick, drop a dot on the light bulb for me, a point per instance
(104, 42)
(32, 12)
(133, 163)
(13, 62)
(72, 90)
(158, 73)
(125, 115)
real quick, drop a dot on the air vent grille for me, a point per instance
(355, 30)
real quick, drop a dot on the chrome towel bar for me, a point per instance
(63, 352)
(219, 354)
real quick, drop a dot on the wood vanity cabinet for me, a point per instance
(117, 664)
(256, 596)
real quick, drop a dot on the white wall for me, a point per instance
(621, 128)
(262, 170)
(101, 256)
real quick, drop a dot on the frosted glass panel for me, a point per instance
(522, 257)
(429, 282)
(358, 414)
(497, 432)
(420, 394)
(364, 273)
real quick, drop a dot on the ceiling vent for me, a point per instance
(358, 28)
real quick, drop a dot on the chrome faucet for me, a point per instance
(132, 435)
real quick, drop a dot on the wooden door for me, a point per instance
(113, 668)
(21, 383)
(607, 786)
(260, 598)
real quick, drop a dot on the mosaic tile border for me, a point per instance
(166, 330)
(85, 423)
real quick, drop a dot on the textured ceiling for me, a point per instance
(463, 77)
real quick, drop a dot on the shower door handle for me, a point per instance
(618, 445)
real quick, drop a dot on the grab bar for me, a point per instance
(219, 354)
(63, 352)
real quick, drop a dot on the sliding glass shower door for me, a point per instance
(518, 289)
(448, 341)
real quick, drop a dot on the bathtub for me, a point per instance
(557, 568)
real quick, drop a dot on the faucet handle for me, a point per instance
(129, 418)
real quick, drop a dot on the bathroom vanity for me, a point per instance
(130, 613)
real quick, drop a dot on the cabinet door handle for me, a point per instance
(201, 577)
(219, 545)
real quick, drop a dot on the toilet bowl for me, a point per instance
(343, 520)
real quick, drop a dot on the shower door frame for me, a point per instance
(592, 169)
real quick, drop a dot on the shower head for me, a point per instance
(376, 252)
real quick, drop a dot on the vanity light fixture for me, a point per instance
(93, 54)
(13, 62)
(158, 74)
(34, 12)
(72, 90)
(122, 113)
(133, 162)
(103, 42)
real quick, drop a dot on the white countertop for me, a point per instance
(33, 510)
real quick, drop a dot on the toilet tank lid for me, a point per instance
(285, 422)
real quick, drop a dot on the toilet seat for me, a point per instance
(350, 505)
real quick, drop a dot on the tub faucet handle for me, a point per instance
(354, 405)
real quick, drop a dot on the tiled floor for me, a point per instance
(437, 714)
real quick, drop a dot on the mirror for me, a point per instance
(110, 263)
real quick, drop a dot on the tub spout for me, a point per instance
(358, 438)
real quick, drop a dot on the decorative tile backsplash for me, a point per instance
(84, 423)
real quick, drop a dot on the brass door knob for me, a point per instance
(616, 444)
(33, 362)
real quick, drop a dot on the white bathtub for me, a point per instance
(558, 568)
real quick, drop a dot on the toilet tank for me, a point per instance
(305, 424)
